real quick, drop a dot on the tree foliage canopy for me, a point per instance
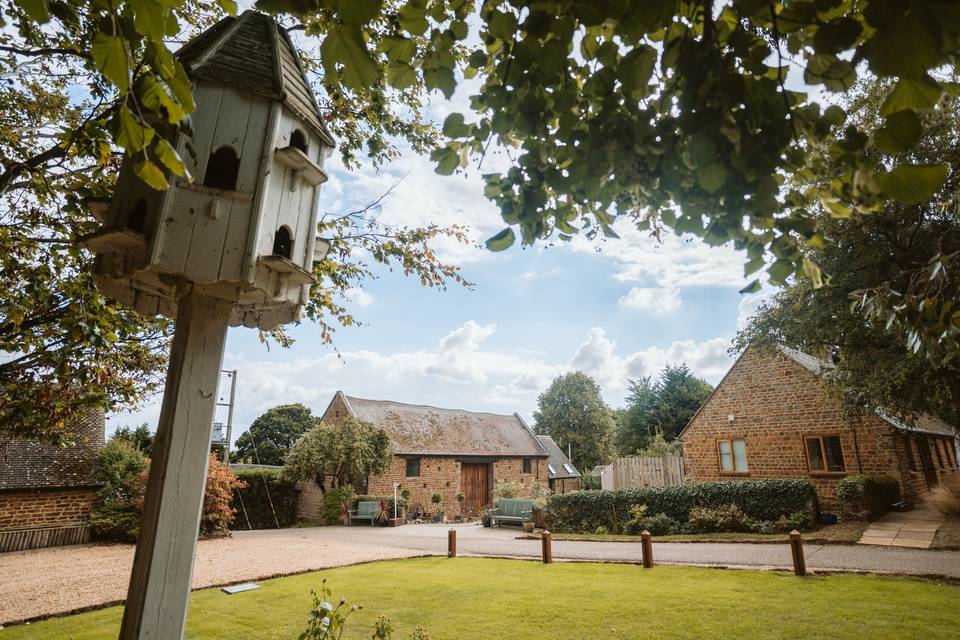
(269, 438)
(663, 407)
(84, 82)
(339, 454)
(894, 251)
(572, 412)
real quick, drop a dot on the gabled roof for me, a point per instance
(923, 423)
(254, 53)
(559, 464)
(424, 430)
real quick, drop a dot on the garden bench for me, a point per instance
(512, 510)
(365, 511)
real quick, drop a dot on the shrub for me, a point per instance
(265, 493)
(115, 515)
(725, 518)
(659, 524)
(589, 482)
(337, 501)
(583, 511)
(945, 497)
(115, 521)
(217, 515)
(863, 497)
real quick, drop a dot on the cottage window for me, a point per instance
(733, 456)
(527, 465)
(824, 454)
(413, 468)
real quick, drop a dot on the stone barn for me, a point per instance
(770, 418)
(448, 451)
(46, 492)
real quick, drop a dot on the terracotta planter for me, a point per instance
(528, 527)
(394, 522)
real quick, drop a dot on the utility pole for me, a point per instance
(229, 405)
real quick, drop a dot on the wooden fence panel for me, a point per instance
(635, 472)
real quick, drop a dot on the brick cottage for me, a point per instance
(46, 492)
(448, 451)
(770, 418)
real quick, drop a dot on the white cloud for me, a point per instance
(659, 300)
(750, 303)
(460, 371)
(359, 297)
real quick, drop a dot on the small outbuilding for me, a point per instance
(448, 451)
(770, 418)
(562, 475)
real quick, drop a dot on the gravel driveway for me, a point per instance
(43, 582)
(50, 581)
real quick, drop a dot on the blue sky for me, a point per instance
(616, 309)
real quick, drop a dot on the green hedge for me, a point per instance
(584, 511)
(865, 497)
(254, 500)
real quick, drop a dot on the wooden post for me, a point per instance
(452, 543)
(646, 549)
(796, 550)
(546, 541)
(159, 592)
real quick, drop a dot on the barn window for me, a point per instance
(526, 465)
(283, 242)
(222, 169)
(299, 140)
(137, 216)
(413, 468)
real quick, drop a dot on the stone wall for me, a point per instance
(441, 474)
(772, 402)
(26, 509)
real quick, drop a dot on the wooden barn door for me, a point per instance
(475, 484)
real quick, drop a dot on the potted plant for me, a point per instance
(460, 499)
(437, 499)
(485, 518)
(383, 515)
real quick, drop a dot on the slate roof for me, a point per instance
(254, 53)
(560, 464)
(425, 430)
(27, 464)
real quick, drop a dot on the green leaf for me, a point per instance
(344, 45)
(753, 287)
(35, 9)
(780, 270)
(447, 160)
(110, 55)
(459, 29)
(636, 68)
(712, 177)
(359, 12)
(230, 6)
(503, 25)
(914, 183)
(400, 75)
(501, 241)
(836, 208)
(440, 78)
(900, 133)
(918, 94)
(413, 18)
(151, 174)
(149, 19)
(454, 126)
(153, 95)
(398, 49)
(129, 133)
(169, 157)
(813, 272)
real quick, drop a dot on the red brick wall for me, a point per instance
(775, 402)
(442, 475)
(44, 508)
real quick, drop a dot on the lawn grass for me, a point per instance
(842, 533)
(474, 598)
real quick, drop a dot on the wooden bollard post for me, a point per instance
(547, 540)
(796, 550)
(452, 543)
(646, 548)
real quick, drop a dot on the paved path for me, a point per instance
(915, 529)
(475, 540)
(50, 581)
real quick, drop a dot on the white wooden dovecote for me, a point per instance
(243, 230)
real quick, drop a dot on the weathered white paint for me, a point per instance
(156, 606)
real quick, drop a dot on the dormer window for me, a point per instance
(299, 140)
(222, 169)
(283, 242)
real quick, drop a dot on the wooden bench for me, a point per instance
(512, 510)
(365, 511)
